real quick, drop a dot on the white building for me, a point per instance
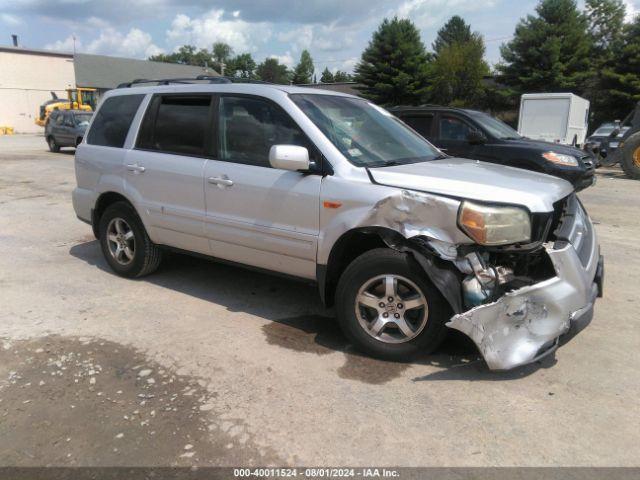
(28, 77)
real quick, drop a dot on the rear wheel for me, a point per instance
(125, 243)
(388, 308)
(53, 146)
(631, 157)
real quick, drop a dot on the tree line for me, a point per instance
(222, 59)
(591, 52)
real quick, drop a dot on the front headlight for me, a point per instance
(495, 225)
(561, 159)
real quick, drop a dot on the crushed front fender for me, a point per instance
(526, 324)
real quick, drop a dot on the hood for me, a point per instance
(543, 147)
(474, 180)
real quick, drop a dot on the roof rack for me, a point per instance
(214, 79)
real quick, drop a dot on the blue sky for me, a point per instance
(335, 31)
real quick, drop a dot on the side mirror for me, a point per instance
(476, 137)
(289, 157)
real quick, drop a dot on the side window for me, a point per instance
(59, 119)
(113, 119)
(420, 123)
(452, 128)
(176, 124)
(249, 127)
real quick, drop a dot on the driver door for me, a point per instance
(453, 134)
(255, 214)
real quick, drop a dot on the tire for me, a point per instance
(133, 254)
(630, 161)
(53, 146)
(354, 317)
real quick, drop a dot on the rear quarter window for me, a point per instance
(113, 119)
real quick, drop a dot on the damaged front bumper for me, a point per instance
(526, 324)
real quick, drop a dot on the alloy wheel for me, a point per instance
(121, 241)
(391, 309)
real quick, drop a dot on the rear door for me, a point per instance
(255, 214)
(422, 123)
(67, 130)
(164, 173)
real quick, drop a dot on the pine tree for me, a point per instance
(327, 76)
(392, 70)
(550, 51)
(456, 75)
(455, 30)
(621, 78)
(303, 72)
(606, 27)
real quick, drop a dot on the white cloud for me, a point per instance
(431, 13)
(213, 27)
(286, 59)
(326, 38)
(632, 10)
(10, 20)
(133, 44)
(65, 45)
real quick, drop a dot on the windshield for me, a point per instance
(604, 131)
(497, 128)
(82, 118)
(367, 135)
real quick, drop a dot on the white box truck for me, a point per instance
(554, 117)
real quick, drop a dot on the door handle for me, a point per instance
(220, 181)
(135, 168)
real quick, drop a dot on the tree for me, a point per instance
(455, 30)
(221, 54)
(392, 70)
(303, 72)
(621, 78)
(273, 71)
(550, 51)
(242, 66)
(186, 55)
(327, 76)
(606, 27)
(606, 22)
(456, 75)
(340, 76)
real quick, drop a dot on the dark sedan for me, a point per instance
(479, 136)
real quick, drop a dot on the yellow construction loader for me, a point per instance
(77, 99)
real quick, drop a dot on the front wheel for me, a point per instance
(125, 244)
(388, 308)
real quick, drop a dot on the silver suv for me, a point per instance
(401, 239)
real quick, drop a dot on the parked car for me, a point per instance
(401, 240)
(600, 143)
(479, 136)
(65, 128)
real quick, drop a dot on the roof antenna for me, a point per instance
(14, 39)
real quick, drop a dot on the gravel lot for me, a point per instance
(206, 364)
